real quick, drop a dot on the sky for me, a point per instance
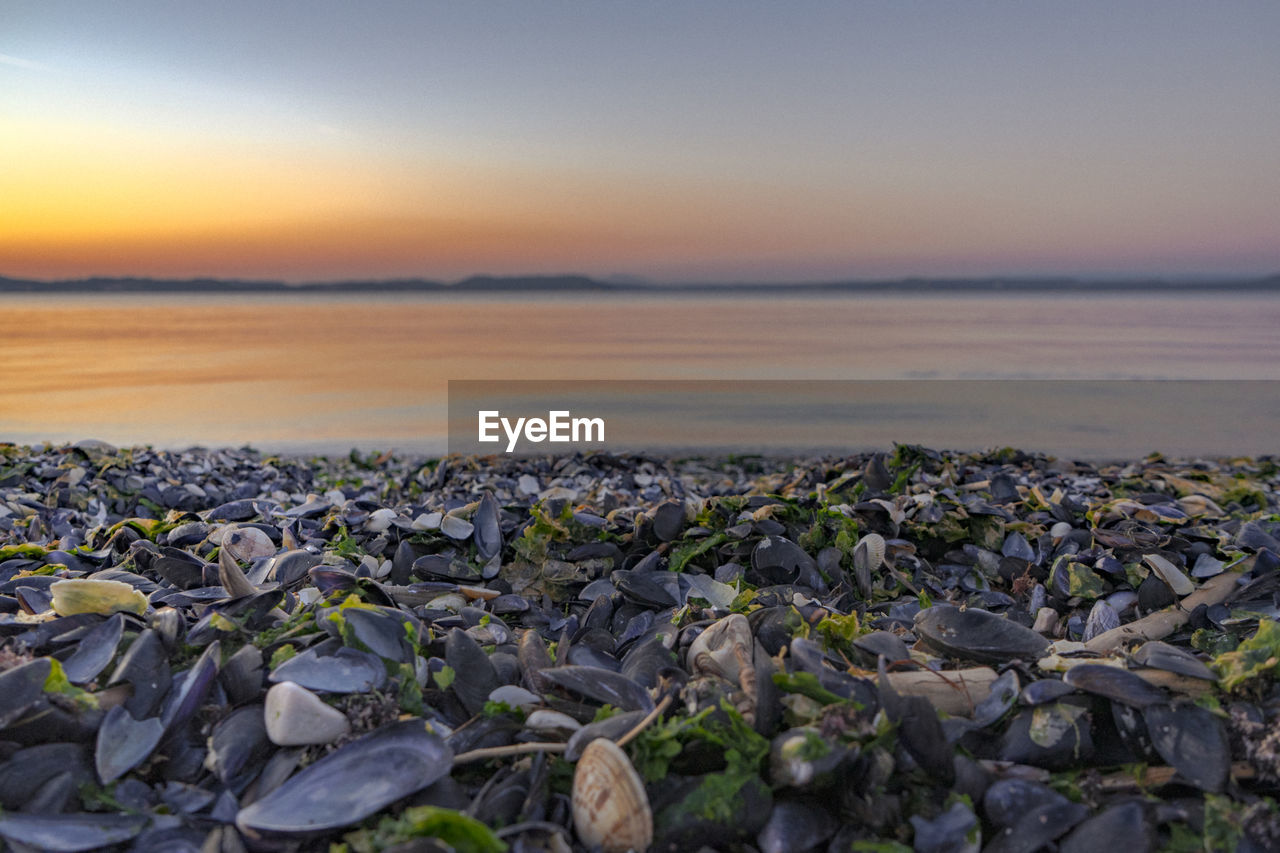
(672, 141)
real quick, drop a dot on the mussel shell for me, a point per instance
(28, 770)
(532, 653)
(948, 832)
(68, 833)
(381, 632)
(977, 634)
(1044, 690)
(1102, 618)
(445, 566)
(1154, 594)
(1159, 655)
(1036, 828)
(95, 651)
(1113, 683)
(145, 665)
(1054, 736)
(779, 560)
(1170, 574)
(124, 743)
(347, 670)
(21, 689)
(796, 825)
(745, 812)
(1123, 826)
(885, 643)
(649, 589)
(601, 685)
(192, 688)
(668, 520)
(180, 569)
(1192, 740)
(488, 531)
(291, 567)
(1003, 695)
(241, 676)
(352, 782)
(612, 728)
(238, 747)
(644, 660)
(476, 677)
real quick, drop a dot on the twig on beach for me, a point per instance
(643, 724)
(485, 753)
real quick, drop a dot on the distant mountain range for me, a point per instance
(580, 283)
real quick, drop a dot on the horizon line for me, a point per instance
(633, 282)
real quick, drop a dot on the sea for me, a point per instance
(1090, 375)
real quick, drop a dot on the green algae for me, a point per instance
(1254, 658)
(459, 832)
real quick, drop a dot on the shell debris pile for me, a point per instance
(904, 650)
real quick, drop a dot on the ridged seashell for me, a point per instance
(89, 596)
(610, 806)
(869, 551)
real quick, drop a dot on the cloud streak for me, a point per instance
(19, 62)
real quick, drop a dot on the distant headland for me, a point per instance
(586, 284)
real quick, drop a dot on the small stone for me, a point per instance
(1046, 621)
(528, 484)
(297, 717)
(515, 696)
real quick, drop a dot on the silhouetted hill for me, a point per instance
(537, 282)
(206, 285)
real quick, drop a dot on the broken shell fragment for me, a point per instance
(90, 596)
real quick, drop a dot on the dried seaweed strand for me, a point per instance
(1154, 777)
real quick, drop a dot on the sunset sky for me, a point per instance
(675, 141)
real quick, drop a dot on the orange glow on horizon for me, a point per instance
(115, 200)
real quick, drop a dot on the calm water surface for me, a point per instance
(328, 373)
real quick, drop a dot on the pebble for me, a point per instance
(297, 717)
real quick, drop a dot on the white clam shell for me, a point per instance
(610, 806)
(247, 543)
(869, 551)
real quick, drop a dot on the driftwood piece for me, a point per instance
(1162, 623)
(958, 691)
(955, 691)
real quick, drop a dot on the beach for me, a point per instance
(899, 648)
